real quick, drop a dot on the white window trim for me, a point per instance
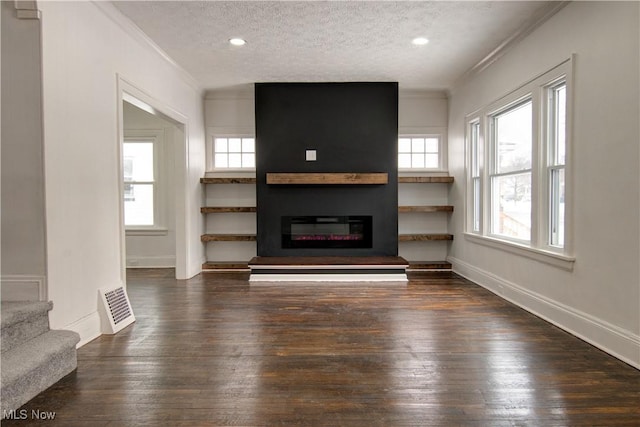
(538, 248)
(226, 132)
(159, 189)
(427, 132)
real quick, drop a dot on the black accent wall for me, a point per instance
(354, 128)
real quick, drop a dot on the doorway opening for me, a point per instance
(152, 141)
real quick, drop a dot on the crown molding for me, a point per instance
(245, 91)
(422, 93)
(534, 22)
(136, 33)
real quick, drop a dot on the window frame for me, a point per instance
(539, 246)
(442, 162)
(211, 151)
(551, 164)
(155, 136)
(475, 167)
(493, 161)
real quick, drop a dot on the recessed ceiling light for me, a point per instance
(237, 41)
(420, 41)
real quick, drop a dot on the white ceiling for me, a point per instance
(294, 41)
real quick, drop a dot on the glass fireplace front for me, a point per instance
(326, 232)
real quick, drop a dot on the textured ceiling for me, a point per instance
(329, 41)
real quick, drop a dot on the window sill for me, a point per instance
(151, 231)
(547, 257)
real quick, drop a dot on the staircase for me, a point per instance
(33, 356)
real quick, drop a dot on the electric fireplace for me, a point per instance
(330, 232)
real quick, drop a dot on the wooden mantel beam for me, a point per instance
(327, 178)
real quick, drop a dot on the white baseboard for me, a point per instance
(151, 261)
(618, 342)
(87, 327)
(23, 288)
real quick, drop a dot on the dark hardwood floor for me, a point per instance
(438, 351)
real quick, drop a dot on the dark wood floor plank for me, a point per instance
(438, 351)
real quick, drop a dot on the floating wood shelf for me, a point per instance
(329, 261)
(225, 265)
(425, 179)
(227, 209)
(423, 237)
(327, 178)
(244, 265)
(404, 209)
(308, 261)
(240, 180)
(429, 265)
(228, 238)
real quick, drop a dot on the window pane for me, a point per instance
(417, 160)
(513, 133)
(221, 145)
(476, 204)
(431, 161)
(235, 145)
(404, 145)
(404, 160)
(431, 145)
(138, 204)
(248, 145)
(559, 119)
(417, 145)
(557, 207)
(235, 160)
(475, 161)
(221, 160)
(138, 161)
(249, 160)
(511, 206)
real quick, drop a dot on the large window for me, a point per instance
(144, 181)
(474, 171)
(139, 182)
(517, 185)
(556, 153)
(510, 176)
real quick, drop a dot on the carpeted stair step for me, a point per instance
(22, 321)
(35, 365)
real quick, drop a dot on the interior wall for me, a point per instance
(232, 112)
(147, 250)
(23, 211)
(599, 300)
(87, 48)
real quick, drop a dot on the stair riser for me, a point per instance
(20, 391)
(17, 333)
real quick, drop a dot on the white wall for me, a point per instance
(86, 48)
(233, 112)
(600, 299)
(23, 220)
(155, 249)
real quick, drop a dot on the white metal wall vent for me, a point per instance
(115, 310)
